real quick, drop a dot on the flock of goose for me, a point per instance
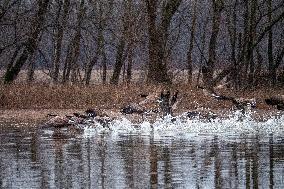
(166, 103)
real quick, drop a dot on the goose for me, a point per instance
(277, 101)
(91, 112)
(201, 114)
(239, 103)
(140, 107)
(132, 108)
(148, 98)
(167, 102)
(57, 121)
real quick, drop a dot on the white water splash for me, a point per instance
(235, 124)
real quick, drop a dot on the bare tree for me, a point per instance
(125, 43)
(251, 38)
(120, 58)
(273, 62)
(5, 7)
(232, 30)
(73, 52)
(130, 39)
(208, 71)
(104, 10)
(60, 25)
(31, 70)
(84, 35)
(29, 47)
(158, 35)
(192, 35)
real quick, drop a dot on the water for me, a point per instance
(228, 153)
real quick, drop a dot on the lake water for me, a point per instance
(190, 154)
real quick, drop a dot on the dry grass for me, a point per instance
(32, 116)
(45, 96)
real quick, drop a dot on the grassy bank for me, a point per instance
(44, 96)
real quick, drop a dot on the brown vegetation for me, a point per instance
(45, 96)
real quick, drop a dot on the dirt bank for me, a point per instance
(32, 103)
(32, 115)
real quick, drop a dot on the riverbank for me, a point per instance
(36, 117)
(32, 103)
(33, 116)
(46, 96)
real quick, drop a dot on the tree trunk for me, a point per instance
(31, 71)
(209, 70)
(202, 57)
(31, 44)
(121, 55)
(131, 43)
(271, 66)
(118, 63)
(252, 31)
(89, 68)
(14, 57)
(74, 65)
(99, 51)
(13, 72)
(238, 69)
(74, 49)
(157, 70)
(59, 37)
(259, 78)
(6, 6)
(243, 68)
(104, 64)
(129, 65)
(232, 29)
(189, 53)
(269, 43)
(67, 63)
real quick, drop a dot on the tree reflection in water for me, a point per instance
(30, 159)
(271, 183)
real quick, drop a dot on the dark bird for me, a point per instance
(174, 98)
(132, 108)
(57, 121)
(164, 102)
(143, 95)
(51, 115)
(104, 121)
(243, 103)
(167, 102)
(277, 101)
(239, 103)
(80, 115)
(91, 113)
(201, 114)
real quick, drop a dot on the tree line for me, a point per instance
(241, 41)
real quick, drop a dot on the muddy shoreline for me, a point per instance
(33, 116)
(36, 117)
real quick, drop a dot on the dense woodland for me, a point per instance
(240, 42)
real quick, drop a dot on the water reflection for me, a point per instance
(59, 159)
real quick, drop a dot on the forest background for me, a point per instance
(78, 53)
